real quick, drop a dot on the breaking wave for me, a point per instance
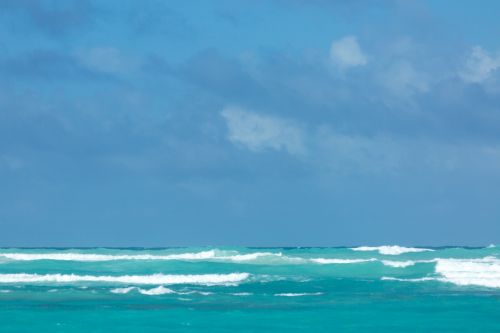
(125, 290)
(204, 255)
(423, 279)
(340, 261)
(203, 279)
(391, 249)
(161, 290)
(483, 272)
(91, 257)
(400, 264)
(211, 255)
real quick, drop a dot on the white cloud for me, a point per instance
(479, 65)
(259, 132)
(346, 53)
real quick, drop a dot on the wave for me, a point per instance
(241, 294)
(250, 256)
(399, 264)
(298, 294)
(203, 279)
(483, 272)
(125, 290)
(211, 255)
(161, 290)
(391, 249)
(423, 279)
(340, 261)
(204, 255)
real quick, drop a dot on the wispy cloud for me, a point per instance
(346, 53)
(479, 65)
(106, 60)
(402, 83)
(261, 132)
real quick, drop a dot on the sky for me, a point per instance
(249, 123)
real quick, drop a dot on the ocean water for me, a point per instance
(363, 289)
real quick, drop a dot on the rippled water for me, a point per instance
(373, 289)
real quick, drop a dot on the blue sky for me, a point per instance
(266, 123)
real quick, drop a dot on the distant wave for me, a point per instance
(340, 261)
(390, 278)
(250, 256)
(125, 290)
(204, 279)
(211, 255)
(161, 290)
(241, 294)
(298, 294)
(91, 257)
(106, 257)
(401, 264)
(390, 249)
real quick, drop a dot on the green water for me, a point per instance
(250, 290)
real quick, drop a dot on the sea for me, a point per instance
(227, 289)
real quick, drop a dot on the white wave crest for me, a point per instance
(241, 294)
(340, 261)
(483, 272)
(161, 290)
(406, 263)
(204, 255)
(400, 264)
(125, 290)
(423, 279)
(203, 279)
(298, 294)
(390, 249)
(249, 256)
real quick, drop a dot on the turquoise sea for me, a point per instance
(363, 289)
